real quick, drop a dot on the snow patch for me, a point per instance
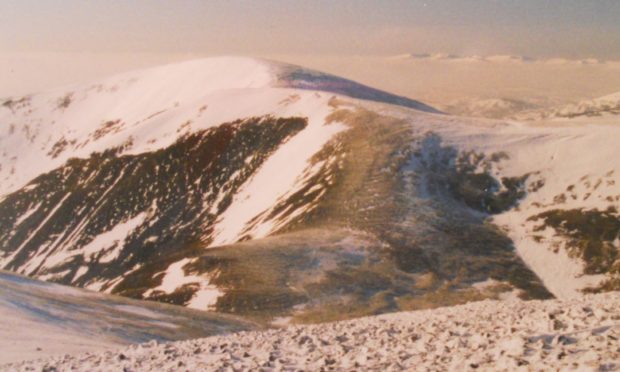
(175, 277)
(276, 178)
(26, 214)
(113, 238)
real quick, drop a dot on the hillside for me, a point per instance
(286, 195)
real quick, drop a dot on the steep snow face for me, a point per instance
(281, 176)
(121, 169)
(94, 220)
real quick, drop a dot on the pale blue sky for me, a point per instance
(539, 28)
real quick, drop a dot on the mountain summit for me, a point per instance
(148, 109)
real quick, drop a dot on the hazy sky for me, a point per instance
(539, 28)
(50, 43)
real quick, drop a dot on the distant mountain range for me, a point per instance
(533, 109)
(603, 107)
(503, 58)
(492, 108)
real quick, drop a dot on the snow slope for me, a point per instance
(78, 120)
(570, 166)
(148, 107)
(41, 319)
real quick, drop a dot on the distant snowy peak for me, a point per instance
(494, 108)
(500, 59)
(604, 106)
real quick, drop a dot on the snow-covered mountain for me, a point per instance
(279, 193)
(501, 59)
(493, 108)
(603, 106)
(599, 108)
(132, 113)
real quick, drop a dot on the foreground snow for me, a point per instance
(578, 334)
(39, 319)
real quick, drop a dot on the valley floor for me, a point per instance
(581, 333)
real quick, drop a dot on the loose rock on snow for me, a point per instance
(581, 334)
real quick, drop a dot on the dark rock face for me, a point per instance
(172, 196)
(590, 235)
